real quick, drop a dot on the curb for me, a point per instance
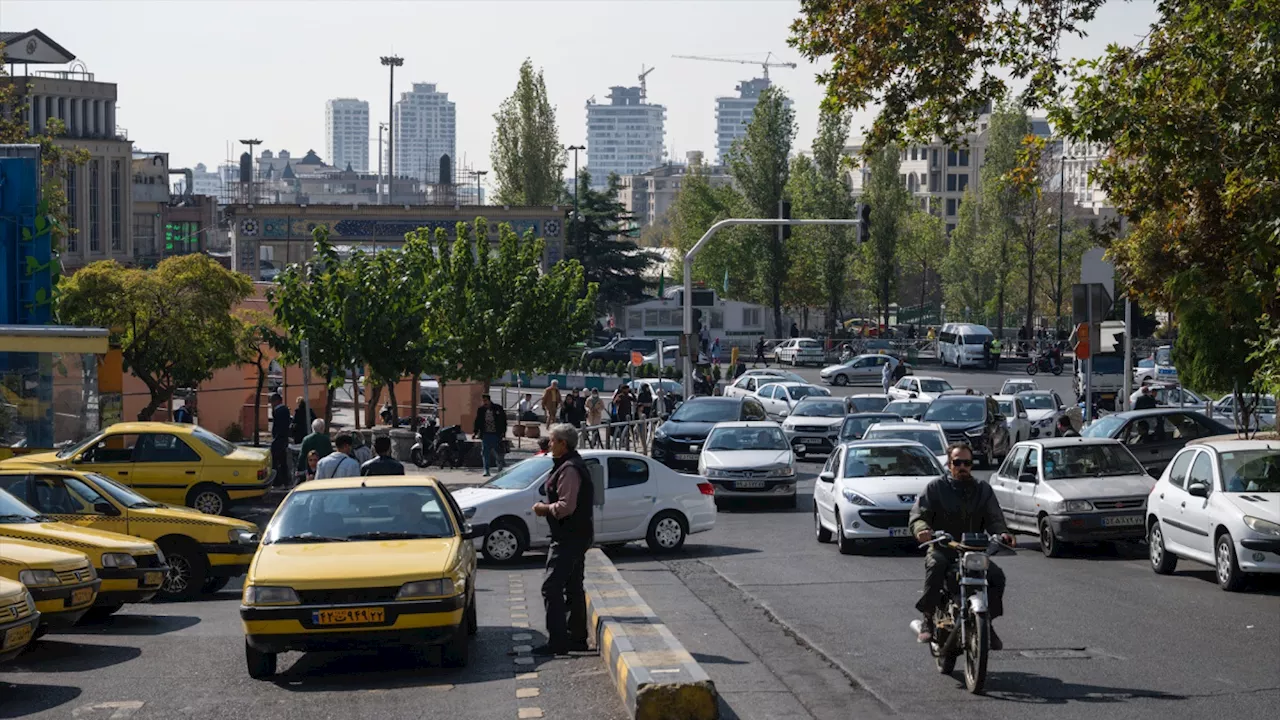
(656, 677)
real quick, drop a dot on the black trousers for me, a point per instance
(563, 595)
(280, 460)
(936, 564)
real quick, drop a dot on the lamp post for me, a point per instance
(381, 127)
(478, 174)
(392, 62)
(575, 149)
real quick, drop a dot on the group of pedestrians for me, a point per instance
(320, 457)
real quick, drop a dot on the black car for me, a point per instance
(974, 420)
(856, 424)
(678, 441)
(620, 349)
(1154, 436)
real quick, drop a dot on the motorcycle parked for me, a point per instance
(449, 446)
(424, 451)
(1043, 363)
(961, 625)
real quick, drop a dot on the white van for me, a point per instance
(961, 344)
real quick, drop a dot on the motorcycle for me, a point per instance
(1043, 363)
(961, 625)
(449, 446)
(424, 451)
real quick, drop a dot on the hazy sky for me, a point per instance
(193, 75)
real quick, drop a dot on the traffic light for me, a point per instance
(864, 228)
(784, 212)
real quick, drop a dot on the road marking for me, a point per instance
(524, 661)
(520, 615)
(522, 636)
(519, 649)
(527, 676)
(519, 607)
(531, 712)
(519, 624)
(122, 709)
(522, 693)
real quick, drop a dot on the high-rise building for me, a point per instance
(425, 131)
(346, 132)
(733, 114)
(624, 137)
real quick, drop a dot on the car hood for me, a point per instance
(29, 554)
(372, 563)
(816, 420)
(831, 368)
(957, 425)
(1262, 505)
(189, 516)
(478, 496)
(687, 430)
(72, 537)
(48, 458)
(886, 490)
(745, 459)
(1097, 488)
(1038, 415)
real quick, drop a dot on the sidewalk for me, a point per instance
(455, 478)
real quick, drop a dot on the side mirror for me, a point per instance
(470, 531)
(105, 508)
(827, 476)
(1198, 489)
(913, 396)
(1028, 478)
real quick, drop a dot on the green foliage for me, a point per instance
(968, 272)
(889, 202)
(697, 207)
(173, 323)
(1215, 347)
(609, 258)
(528, 160)
(922, 246)
(805, 246)
(233, 433)
(597, 367)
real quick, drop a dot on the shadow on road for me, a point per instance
(59, 656)
(21, 700)
(748, 506)
(138, 625)
(1033, 689)
(717, 659)
(638, 552)
(1256, 584)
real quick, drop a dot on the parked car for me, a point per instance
(677, 443)
(929, 435)
(908, 409)
(1154, 436)
(1218, 503)
(1157, 367)
(1264, 412)
(669, 387)
(866, 402)
(779, 397)
(1174, 395)
(924, 387)
(866, 491)
(1044, 407)
(620, 349)
(800, 351)
(814, 425)
(671, 357)
(866, 369)
(61, 580)
(1067, 490)
(751, 380)
(750, 460)
(18, 625)
(856, 424)
(1015, 386)
(975, 420)
(1015, 417)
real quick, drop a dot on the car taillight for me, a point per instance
(262, 473)
(707, 488)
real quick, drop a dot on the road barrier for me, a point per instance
(655, 676)
(635, 435)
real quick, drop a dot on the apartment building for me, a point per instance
(626, 136)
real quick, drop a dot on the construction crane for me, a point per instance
(765, 64)
(644, 74)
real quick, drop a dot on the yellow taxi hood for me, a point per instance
(191, 516)
(43, 458)
(368, 563)
(40, 557)
(72, 537)
(11, 591)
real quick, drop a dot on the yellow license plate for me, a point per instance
(17, 637)
(349, 616)
(81, 596)
(153, 578)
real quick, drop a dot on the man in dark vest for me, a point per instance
(568, 510)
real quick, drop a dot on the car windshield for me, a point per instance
(1013, 388)
(966, 410)
(1006, 407)
(935, 386)
(889, 462)
(747, 438)
(855, 427)
(975, 339)
(215, 443)
(1084, 461)
(120, 493)
(360, 513)
(907, 408)
(814, 407)
(706, 411)
(74, 449)
(1104, 427)
(13, 510)
(779, 376)
(1038, 402)
(803, 391)
(522, 474)
(1146, 363)
(1164, 356)
(927, 437)
(809, 345)
(1251, 471)
(868, 403)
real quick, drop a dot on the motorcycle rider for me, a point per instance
(957, 504)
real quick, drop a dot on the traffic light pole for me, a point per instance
(688, 361)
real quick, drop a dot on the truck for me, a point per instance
(1107, 373)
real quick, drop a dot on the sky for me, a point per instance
(195, 75)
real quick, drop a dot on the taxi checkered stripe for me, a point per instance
(135, 519)
(52, 541)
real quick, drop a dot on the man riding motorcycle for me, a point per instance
(957, 505)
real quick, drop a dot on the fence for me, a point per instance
(633, 435)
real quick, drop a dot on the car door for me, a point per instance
(824, 491)
(1004, 480)
(767, 395)
(164, 467)
(744, 386)
(1195, 520)
(1022, 424)
(631, 495)
(999, 431)
(112, 456)
(1027, 495)
(1171, 494)
(902, 390)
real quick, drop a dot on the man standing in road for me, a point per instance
(490, 428)
(339, 463)
(886, 372)
(996, 348)
(760, 359)
(383, 464)
(281, 421)
(551, 401)
(568, 510)
(1145, 400)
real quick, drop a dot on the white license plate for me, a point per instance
(899, 532)
(1122, 520)
(748, 484)
(811, 441)
(686, 456)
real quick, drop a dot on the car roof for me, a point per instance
(1153, 412)
(1010, 398)
(872, 415)
(1236, 444)
(28, 465)
(907, 426)
(1069, 441)
(1037, 391)
(930, 377)
(153, 426)
(791, 383)
(868, 395)
(714, 399)
(912, 401)
(958, 396)
(890, 442)
(374, 481)
(746, 424)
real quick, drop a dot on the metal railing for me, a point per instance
(633, 435)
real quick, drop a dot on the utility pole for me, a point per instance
(381, 127)
(575, 149)
(479, 176)
(392, 62)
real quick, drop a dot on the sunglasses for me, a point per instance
(962, 463)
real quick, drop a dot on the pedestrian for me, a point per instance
(886, 372)
(932, 335)
(986, 353)
(568, 510)
(359, 450)
(577, 412)
(383, 464)
(760, 359)
(644, 401)
(302, 419)
(997, 346)
(280, 426)
(340, 463)
(795, 330)
(544, 446)
(704, 340)
(525, 408)
(1145, 400)
(623, 407)
(186, 413)
(551, 401)
(595, 415)
(1065, 428)
(490, 428)
(715, 352)
(313, 460)
(317, 441)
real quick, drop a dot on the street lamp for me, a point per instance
(381, 127)
(575, 149)
(478, 174)
(392, 62)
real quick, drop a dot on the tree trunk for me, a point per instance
(328, 399)
(1004, 261)
(257, 403)
(924, 286)
(371, 405)
(415, 390)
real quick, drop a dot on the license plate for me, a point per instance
(899, 532)
(1122, 520)
(17, 637)
(153, 578)
(686, 457)
(810, 441)
(348, 616)
(81, 596)
(748, 484)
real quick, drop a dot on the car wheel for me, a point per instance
(667, 532)
(260, 664)
(208, 499)
(840, 380)
(1050, 545)
(506, 542)
(215, 584)
(823, 534)
(1163, 562)
(98, 613)
(188, 568)
(847, 545)
(1230, 577)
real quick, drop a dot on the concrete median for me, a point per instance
(655, 676)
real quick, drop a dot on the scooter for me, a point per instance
(1043, 363)
(449, 446)
(423, 451)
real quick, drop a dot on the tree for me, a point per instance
(173, 323)
(888, 199)
(599, 241)
(834, 200)
(257, 334)
(923, 246)
(698, 206)
(528, 160)
(804, 288)
(760, 165)
(1003, 191)
(968, 273)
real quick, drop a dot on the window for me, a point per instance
(951, 207)
(913, 153)
(964, 158)
(625, 472)
(952, 158)
(111, 449)
(95, 202)
(1178, 474)
(63, 496)
(951, 227)
(1032, 465)
(73, 207)
(952, 182)
(144, 232)
(1201, 471)
(116, 240)
(1013, 462)
(962, 182)
(163, 447)
(751, 317)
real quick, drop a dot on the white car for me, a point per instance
(1015, 417)
(1157, 367)
(919, 387)
(748, 382)
(867, 488)
(800, 351)
(1174, 395)
(749, 460)
(779, 397)
(929, 435)
(1013, 387)
(813, 426)
(1264, 412)
(671, 357)
(636, 498)
(1218, 503)
(1044, 407)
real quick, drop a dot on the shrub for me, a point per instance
(234, 433)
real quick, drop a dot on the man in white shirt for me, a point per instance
(340, 462)
(886, 372)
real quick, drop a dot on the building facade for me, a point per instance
(346, 132)
(648, 196)
(425, 131)
(625, 136)
(733, 114)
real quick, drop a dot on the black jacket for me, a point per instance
(578, 528)
(281, 421)
(499, 420)
(382, 465)
(301, 425)
(957, 508)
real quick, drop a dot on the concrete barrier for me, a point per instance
(656, 677)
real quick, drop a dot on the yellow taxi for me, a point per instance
(131, 569)
(62, 582)
(18, 619)
(204, 552)
(173, 463)
(362, 563)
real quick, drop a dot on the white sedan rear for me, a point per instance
(866, 491)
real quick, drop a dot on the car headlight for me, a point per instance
(783, 472)
(38, 578)
(976, 561)
(468, 512)
(240, 536)
(659, 434)
(31, 603)
(716, 473)
(975, 432)
(1266, 527)
(1046, 422)
(1072, 506)
(443, 587)
(118, 560)
(268, 595)
(857, 499)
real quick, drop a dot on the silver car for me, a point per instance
(1069, 490)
